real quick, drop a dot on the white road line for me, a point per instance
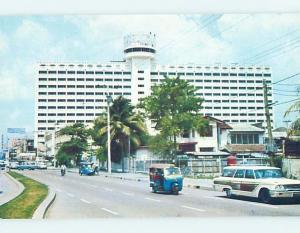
(110, 211)
(58, 190)
(108, 189)
(128, 194)
(70, 194)
(192, 208)
(217, 198)
(262, 205)
(85, 201)
(150, 199)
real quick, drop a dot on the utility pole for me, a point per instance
(267, 113)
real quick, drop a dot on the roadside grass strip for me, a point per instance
(24, 205)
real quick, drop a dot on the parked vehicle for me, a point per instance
(26, 165)
(86, 168)
(165, 178)
(2, 165)
(265, 183)
(41, 165)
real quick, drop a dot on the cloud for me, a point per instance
(12, 88)
(32, 31)
(3, 43)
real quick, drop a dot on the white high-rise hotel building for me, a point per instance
(76, 92)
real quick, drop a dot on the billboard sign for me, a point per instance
(16, 130)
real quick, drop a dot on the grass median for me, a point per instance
(24, 205)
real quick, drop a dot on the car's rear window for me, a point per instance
(268, 173)
(228, 172)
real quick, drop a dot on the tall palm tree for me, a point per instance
(126, 128)
(295, 126)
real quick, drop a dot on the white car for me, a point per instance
(265, 183)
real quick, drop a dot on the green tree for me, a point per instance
(73, 148)
(294, 129)
(174, 108)
(126, 128)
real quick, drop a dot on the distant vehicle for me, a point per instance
(86, 168)
(41, 165)
(2, 165)
(13, 164)
(265, 183)
(165, 178)
(26, 165)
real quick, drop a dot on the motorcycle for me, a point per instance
(62, 172)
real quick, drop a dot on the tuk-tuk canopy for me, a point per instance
(161, 165)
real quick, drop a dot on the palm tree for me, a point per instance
(126, 128)
(295, 126)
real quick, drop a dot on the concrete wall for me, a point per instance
(291, 168)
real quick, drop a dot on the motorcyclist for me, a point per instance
(63, 169)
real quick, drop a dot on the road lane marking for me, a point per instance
(110, 211)
(128, 194)
(217, 198)
(85, 201)
(108, 189)
(262, 205)
(151, 199)
(70, 194)
(192, 208)
(58, 190)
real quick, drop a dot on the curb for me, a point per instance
(20, 187)
(41, 211)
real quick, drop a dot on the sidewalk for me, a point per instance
(206, 184)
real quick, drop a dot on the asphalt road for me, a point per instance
(8, 188)
(103, 197)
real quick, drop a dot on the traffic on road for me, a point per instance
(102, 196)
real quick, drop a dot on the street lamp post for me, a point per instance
(109, 100)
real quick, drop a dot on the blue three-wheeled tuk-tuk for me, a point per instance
(165, 178)
(85, 168)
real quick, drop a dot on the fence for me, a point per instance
(204, 167)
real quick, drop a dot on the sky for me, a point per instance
(259, 39)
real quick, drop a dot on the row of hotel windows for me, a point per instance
(104, 100)
(71, 107)
(142, 85)
(86, 79)
(231, 88)
(154, 73)
(64, 114)
(97, 114)
(243, 121)
(152, 80)
(212, 74)
(88, 86)
(220, 81)
(235, 101)
(83, 72)
(171, 66)
(84, 93)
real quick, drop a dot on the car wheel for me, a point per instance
(154, 189)
(228, 193)
(264, 196)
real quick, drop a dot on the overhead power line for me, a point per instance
(285, 102)
(289, 77)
